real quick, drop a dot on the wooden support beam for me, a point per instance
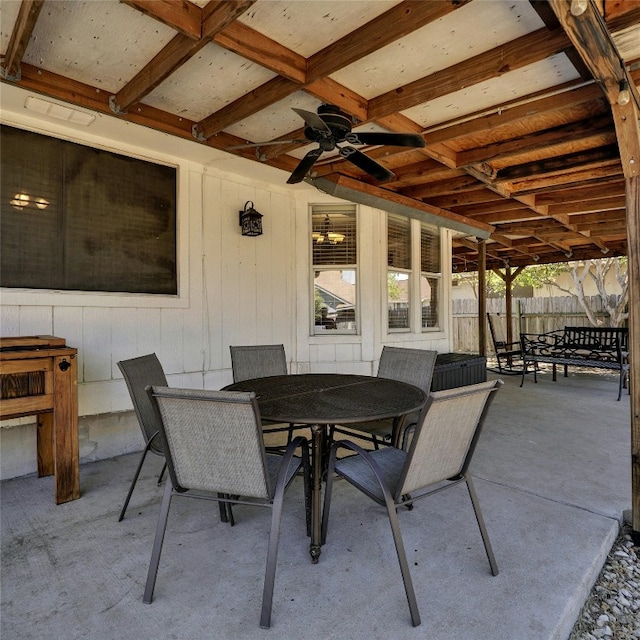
(633, 240)
(513, 55)
(185, 16)
(398, 21)
(590, 36)
(215, 17)
(588, 32)
(482, 297)
(25, 22)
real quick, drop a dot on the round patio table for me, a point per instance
(323, 399)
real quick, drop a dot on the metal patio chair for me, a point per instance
(441, 450)
(261, 361)
(413, 366)
(508, 354)
(214, 449)
(138, 373)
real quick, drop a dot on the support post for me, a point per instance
(633, 240)
(482, 297)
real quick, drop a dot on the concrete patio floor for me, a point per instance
(552, 474)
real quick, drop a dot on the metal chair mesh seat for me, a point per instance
(215, 451)
(438, 457)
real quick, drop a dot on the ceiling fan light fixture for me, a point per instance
(327, 235)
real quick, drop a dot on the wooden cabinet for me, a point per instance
(38, 376)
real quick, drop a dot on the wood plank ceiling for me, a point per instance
(520, 137)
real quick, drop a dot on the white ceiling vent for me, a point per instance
(47, 108)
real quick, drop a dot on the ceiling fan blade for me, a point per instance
(364, 162)
(393, 139)
(250, 145)
(313, 120)
(303, 167)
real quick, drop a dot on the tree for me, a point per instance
(597, 270)
(540, 275)
(536, 276)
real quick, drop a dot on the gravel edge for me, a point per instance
(612, 609)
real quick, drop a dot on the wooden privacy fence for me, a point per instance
(530, 315)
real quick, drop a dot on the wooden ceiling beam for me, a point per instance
(603, 228)
(606, 189)
(593, 132)
(330, 91)
(498, 218)
(534, 185)
(567, 163)
(481, 194)
(215, 17)
(613, 215)
(585, 206)
(91, 97)
(260, 98)
(248, 43)
(388, 27)
(591, 38)
(184, 16)
(463, 241)
(503, 116)
(427, 191)
(24, 25)
(502, 205)
(406, 18)
(521, 52)
(510, 244)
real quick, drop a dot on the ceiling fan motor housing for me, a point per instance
(338, 122)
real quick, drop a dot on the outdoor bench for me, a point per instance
(596, 347)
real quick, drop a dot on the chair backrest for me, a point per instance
(446, 435)
(258, 361)
(497, 330)
(213, 441)
(140, 373)
(413, 366)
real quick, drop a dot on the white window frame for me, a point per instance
(414, 274)
(315, 330)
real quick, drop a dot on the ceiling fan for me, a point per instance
(330, 128)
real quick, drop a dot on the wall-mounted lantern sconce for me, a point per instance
(250, 220)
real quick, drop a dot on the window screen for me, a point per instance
(78, 218)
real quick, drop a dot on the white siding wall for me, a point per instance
(233, 290)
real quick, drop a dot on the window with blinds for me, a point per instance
(398, 273)
(334, 264)
(430, 276)
(78, 218)
(410, 254)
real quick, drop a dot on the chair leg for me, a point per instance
(226, 511)
(483, 529)
(404, 565)
(306, 470)
(272, 556)
(331, 470)
(147, 598)
(133, 482)
(164, 468)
